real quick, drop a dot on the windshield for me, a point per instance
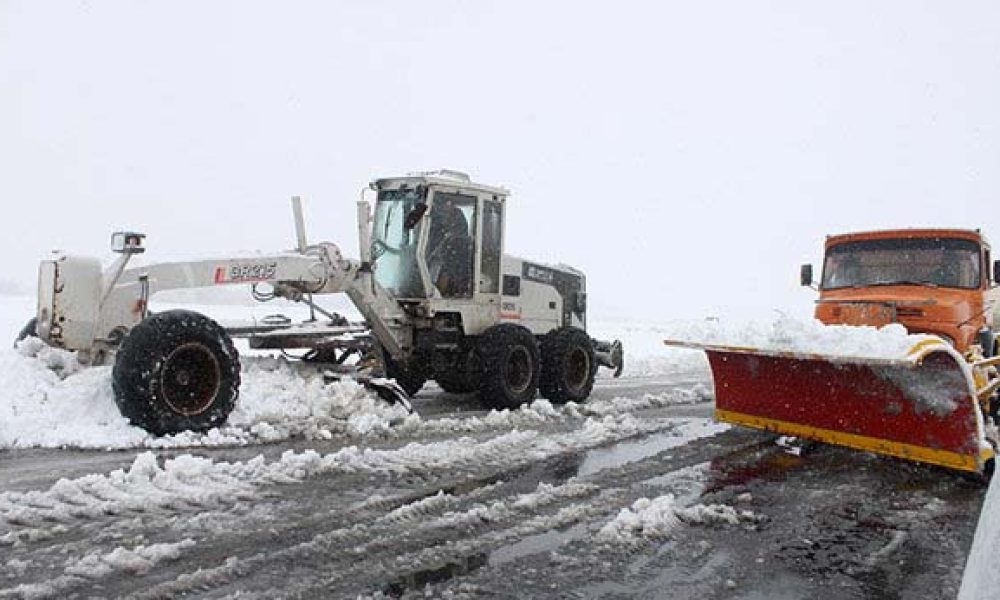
(450, 244)
(940, 262)
(394, 247)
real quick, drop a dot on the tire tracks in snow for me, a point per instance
(439, 529)
(150, 492)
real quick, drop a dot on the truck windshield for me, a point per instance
(394, 247)
(944, 262)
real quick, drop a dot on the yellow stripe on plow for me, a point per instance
(944, 458)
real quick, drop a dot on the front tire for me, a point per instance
(176, 371)
(510, 366)
(568, 365)
(411, 378)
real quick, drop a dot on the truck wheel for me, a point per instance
(176, 371)
(568, 365)
(464, 378)
(510, 366)
(408, 378)
(29, 330)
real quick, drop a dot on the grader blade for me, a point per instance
(923, 407)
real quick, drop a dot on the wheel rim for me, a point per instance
(577, 368)
(190, 379)
(519, 369)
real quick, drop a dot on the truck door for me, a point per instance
(492, 248)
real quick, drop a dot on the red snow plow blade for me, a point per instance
(922, 408)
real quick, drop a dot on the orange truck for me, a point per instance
(935, 281)
(934, 405)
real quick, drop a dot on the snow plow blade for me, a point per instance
(923, 407)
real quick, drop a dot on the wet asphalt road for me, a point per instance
(822, 522)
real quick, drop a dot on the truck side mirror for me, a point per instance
(996, 271)
(806, 275)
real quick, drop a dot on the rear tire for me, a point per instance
(176, 371)
(510, 366)
(29, 330)
(568, 365)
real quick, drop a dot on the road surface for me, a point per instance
(496, 508)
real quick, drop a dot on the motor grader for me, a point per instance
(440, 300)
(937, 404)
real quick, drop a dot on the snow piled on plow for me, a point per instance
(806, 336)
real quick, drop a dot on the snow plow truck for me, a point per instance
(440, 299)
(937, 404)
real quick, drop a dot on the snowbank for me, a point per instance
(48, 400)
(982, 573)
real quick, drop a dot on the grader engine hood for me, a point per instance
(69, 292)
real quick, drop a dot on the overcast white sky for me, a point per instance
(687, 155)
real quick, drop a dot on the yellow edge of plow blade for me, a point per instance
(944, 458)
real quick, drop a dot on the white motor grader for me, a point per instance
(439, 297)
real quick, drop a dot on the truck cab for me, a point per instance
(935, 281)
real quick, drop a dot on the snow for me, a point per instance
(658, 517)
(135, 561)
(48, 400)
(151, 484)
(805, 336)
(645, 518)
(127, 561)
(982, 574)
